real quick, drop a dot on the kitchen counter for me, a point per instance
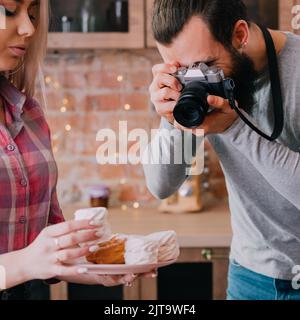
(209, 228)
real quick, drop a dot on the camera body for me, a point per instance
(199, 81)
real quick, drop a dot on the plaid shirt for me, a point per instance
(28, 172)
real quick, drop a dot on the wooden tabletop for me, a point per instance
(207, 229)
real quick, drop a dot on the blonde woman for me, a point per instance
(34, 239)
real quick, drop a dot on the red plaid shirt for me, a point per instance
(28, 172)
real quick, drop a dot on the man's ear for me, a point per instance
(240, 35)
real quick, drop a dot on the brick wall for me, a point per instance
(84, 96)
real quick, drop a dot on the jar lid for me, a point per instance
(99, 191)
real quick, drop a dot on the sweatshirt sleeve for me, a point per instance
(167, 159)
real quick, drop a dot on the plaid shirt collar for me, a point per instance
(14, 102)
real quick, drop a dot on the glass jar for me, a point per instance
(99, 196)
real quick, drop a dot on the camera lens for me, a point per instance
(192, 105)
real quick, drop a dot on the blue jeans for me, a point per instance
(244, 284)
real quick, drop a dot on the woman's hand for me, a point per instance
(45, 258)
(107, 280)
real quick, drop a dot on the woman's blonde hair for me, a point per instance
(24, 78)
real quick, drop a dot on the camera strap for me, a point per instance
(275, 87)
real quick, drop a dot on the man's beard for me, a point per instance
(244, 75)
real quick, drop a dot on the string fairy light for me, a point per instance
(120, 78)
(136, 205)
(64, 108)
(56, 85)
(127, 106)
(68, 127)
(48, 79)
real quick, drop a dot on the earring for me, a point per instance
(244, 45)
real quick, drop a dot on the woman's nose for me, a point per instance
(25, 27)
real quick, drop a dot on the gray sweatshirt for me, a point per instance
(262, 177)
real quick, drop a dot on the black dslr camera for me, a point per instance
(199, 81)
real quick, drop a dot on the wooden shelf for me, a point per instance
(133, 39)
(140, 35)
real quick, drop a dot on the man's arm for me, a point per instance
(165, 179)
(279, 165)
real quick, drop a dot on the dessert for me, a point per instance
(137, 249)
(110, 252)
(127, 249)
(141, 250)
(99, 215)
(168, 245)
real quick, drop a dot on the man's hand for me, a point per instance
(165, 90)
(217, 121)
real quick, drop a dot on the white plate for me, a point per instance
(123, 269)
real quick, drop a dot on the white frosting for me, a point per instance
(150, 249)
(153, 248)
(169, 247)
(91, 213)
(140, 250)
(168, 253)
(96, 214)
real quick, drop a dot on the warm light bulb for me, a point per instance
(68, 127)
(127, 106)
(63, 109)
(136, 205)
(55, 136)
(120, 78)
(124, 207)
(48, 80)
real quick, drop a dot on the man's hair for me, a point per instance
(171, 16)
